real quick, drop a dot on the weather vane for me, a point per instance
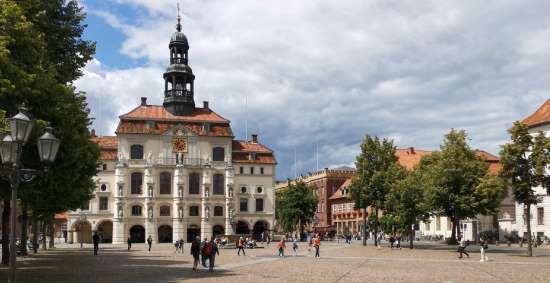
(178, 26)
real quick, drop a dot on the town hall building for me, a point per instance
(175, 171)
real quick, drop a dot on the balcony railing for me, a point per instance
(168, 161)
(177, 92)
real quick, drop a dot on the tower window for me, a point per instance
(136, 151)
(241, 170)
(103, 187)
(251, 170)
(104, 167)
(262, 170)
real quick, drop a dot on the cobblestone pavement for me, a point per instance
(338, 263)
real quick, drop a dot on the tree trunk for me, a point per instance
(24, 226)
(376, 227)
(34, 233)
(44, 233)
(6, 232)
(51, 233)
(411, 236)
(529, 239)
(453, 231)
(364, 233)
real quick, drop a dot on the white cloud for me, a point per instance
(324, 72)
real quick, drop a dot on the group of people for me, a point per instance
(484, 246)
(203, 251)
(314, 242)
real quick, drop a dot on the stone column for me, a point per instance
(120, 193)
(150, 224)
(178, 226)
(206, 227)
(229, 191)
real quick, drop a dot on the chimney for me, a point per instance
(205, 105)
(254, 138)
(93, 135)
(144, 101)
(411, 149)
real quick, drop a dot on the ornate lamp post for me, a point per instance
(10, 150)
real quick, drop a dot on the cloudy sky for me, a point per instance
(322, 74)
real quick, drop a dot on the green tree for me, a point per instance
(406, 202)
(524, 162)
(459, 185)
(41, 53)
(296, 206)
(377, 171)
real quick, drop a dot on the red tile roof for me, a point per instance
(338, 194)
(108, 146)
(142, 127)
(487, 156)
(261, 158)
(540, 117)
(158, 112)
(248, 146)
(410, 157)
(106, 141)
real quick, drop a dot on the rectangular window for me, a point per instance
(103, 203)
(438, 223)
(243, 205)
(251, 170)
(262, 170)
(259, 204)
(194, 211)
(241, 170)
(540, 215)
(136, 210)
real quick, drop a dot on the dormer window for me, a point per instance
(206, 128)
(252, 156)
(151, 124)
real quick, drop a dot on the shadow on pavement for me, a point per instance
(111, 265)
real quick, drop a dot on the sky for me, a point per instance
(317, 76)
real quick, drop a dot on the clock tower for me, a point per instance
(179, 78)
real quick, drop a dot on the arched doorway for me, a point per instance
(83, 231)
(242, 228)
(259, 228)
(193, 231)
(165, 234)
(218, 230)
(137, 234)
(105, 231)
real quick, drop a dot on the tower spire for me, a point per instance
(178, 26)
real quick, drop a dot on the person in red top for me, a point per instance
(240, 246)
(317, 245)
(281, 246)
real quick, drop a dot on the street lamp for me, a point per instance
(10, 150)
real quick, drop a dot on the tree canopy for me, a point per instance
(524, 163)
(296, 205)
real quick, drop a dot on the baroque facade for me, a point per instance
(175, 171)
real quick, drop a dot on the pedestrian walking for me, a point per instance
(177, 246)
(392, 241)
(129, 242)
(483, 250)
(295, 247)
(281, 245)
(181, 245)
(150, 242)
(240, 246)
(95, 240)
(398, 241)
(195, 252)
(462, 247)
(317, 246)
(204, 256)
(212, 250)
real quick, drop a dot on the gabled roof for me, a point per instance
(242, 150)
(160, 127)
(158, 112)
(540, 117)
(338, 194)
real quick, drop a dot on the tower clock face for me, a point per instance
(179, 145)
